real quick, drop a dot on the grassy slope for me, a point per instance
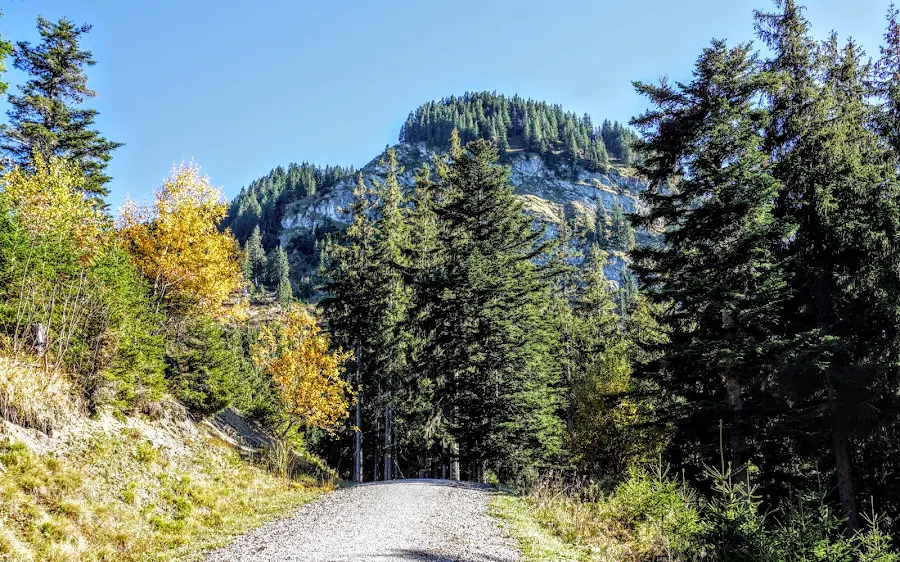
(124, 489)
(119, 497)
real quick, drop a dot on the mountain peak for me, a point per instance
(564, 167)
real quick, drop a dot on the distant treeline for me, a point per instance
(262, 203)
(516, 124)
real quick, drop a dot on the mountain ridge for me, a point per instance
(559, 177)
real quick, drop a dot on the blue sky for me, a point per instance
(245, 86)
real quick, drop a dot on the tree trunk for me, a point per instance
(387, 442)
(357, 436)
(41, 338)
(375, 463)
(738, 439)
(454, 462)
(840, 443)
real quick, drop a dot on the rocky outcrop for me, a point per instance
(551, 194)
(529, 173)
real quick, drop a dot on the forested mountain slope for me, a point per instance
(564, 167)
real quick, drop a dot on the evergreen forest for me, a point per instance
(731, 394)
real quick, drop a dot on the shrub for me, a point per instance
(648, 516)
(805, 530)
(654, 513)
(134, 363)
(201, 369)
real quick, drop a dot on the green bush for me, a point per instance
(100, 324)
(651, 517)
(805, 530)
(202, 371)
(136, 367)
(654, 512)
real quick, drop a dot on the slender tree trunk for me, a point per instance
(454, 461)
(21, 304)
(377, 465)
(738, 439)
(444, 459)
(840, 443)
(357, 435)
(387, 442)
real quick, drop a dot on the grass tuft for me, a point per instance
(32, 397)
(648, 516)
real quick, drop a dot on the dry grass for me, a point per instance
(32, 397)
(117, 494)
(647, 517)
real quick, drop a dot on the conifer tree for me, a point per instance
(601, 226)
(716, 272)
(621, 233)
(255, 259)
(600, 440)
(390, 340)
(564, 256)
(834, 173)
(280, 274)
(47, 118)
(485, 305)
(349, 306)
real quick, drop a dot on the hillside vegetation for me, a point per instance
(687, 352)
(515, 124)
(555, 156)
(116, 335)
(130, 489)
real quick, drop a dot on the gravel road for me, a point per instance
(434, 520)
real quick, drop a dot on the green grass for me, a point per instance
(646, 517)
(536, 540)
(120, 498)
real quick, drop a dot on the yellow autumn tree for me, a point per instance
(295, 352)
(55, 235)
(49, 204)
(193, 267)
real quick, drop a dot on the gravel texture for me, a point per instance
(434, 520)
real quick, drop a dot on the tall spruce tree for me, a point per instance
(47, 118)
(485, 305)
(717, 271)
(280, 274)
(349, 304)
(840, 195)
(389, 341)
(255, 264)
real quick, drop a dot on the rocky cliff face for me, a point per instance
(552, 195)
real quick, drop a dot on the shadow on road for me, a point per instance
(430, 482)
(424, 555)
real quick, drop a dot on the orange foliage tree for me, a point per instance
(295, 352)
(176, 243)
